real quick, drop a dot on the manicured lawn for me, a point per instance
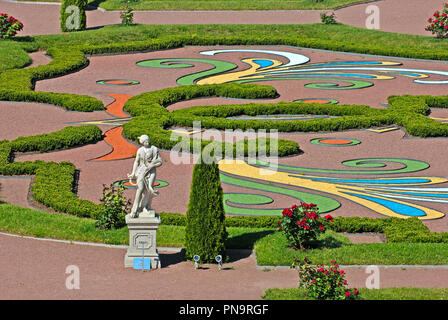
(13, 55)
(338, 35)
(227, 5)
(273, 250)
(367, 294)
(270, 245)
(23, 221)
(331, 37)
(219, 4)
(43, 224)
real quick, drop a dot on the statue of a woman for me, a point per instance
(146, 161)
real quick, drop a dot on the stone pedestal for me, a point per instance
(142, 233)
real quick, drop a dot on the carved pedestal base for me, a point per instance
(142, 235)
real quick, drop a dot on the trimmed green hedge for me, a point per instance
(149, 111)
(64, 61)
(71, 20)
(410, 230)
(350, 116)
(68, 137)
(53, 183)
(53, 187)
(5, 152)
(178, 219)
(407, 111)
(17, 84)
(68, 101)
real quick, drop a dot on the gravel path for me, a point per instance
(402, 16)
(34, 269)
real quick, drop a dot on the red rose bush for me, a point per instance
(302, 224)
(438, 23)
(325, 282)
(9, 26)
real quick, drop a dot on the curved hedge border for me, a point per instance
(53, 187)
(68, 101)
(151, 116)
(53, 184)
(68, 137)
(351, 116)
(149, 111)
(68, 59)
(18, 85)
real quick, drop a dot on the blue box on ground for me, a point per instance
(138, 263)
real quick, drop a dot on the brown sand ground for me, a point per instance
(15, 190)
(102, 276)
(38, 58)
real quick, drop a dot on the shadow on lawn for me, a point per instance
(93, 5)
(246, 240)
(329, 242)
(95, 28)
(24, 39)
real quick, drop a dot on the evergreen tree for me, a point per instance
(205, 231)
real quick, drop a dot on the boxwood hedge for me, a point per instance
(410, 230)
(149, 111)
(53, 183)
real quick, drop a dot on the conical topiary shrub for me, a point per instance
(205, 231)
(73, 15)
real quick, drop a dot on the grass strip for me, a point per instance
(219, 4)
(270, 246)
(42, 224)
(273, 250)
(404, 293)
(12, 55)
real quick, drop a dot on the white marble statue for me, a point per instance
(146, 161)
